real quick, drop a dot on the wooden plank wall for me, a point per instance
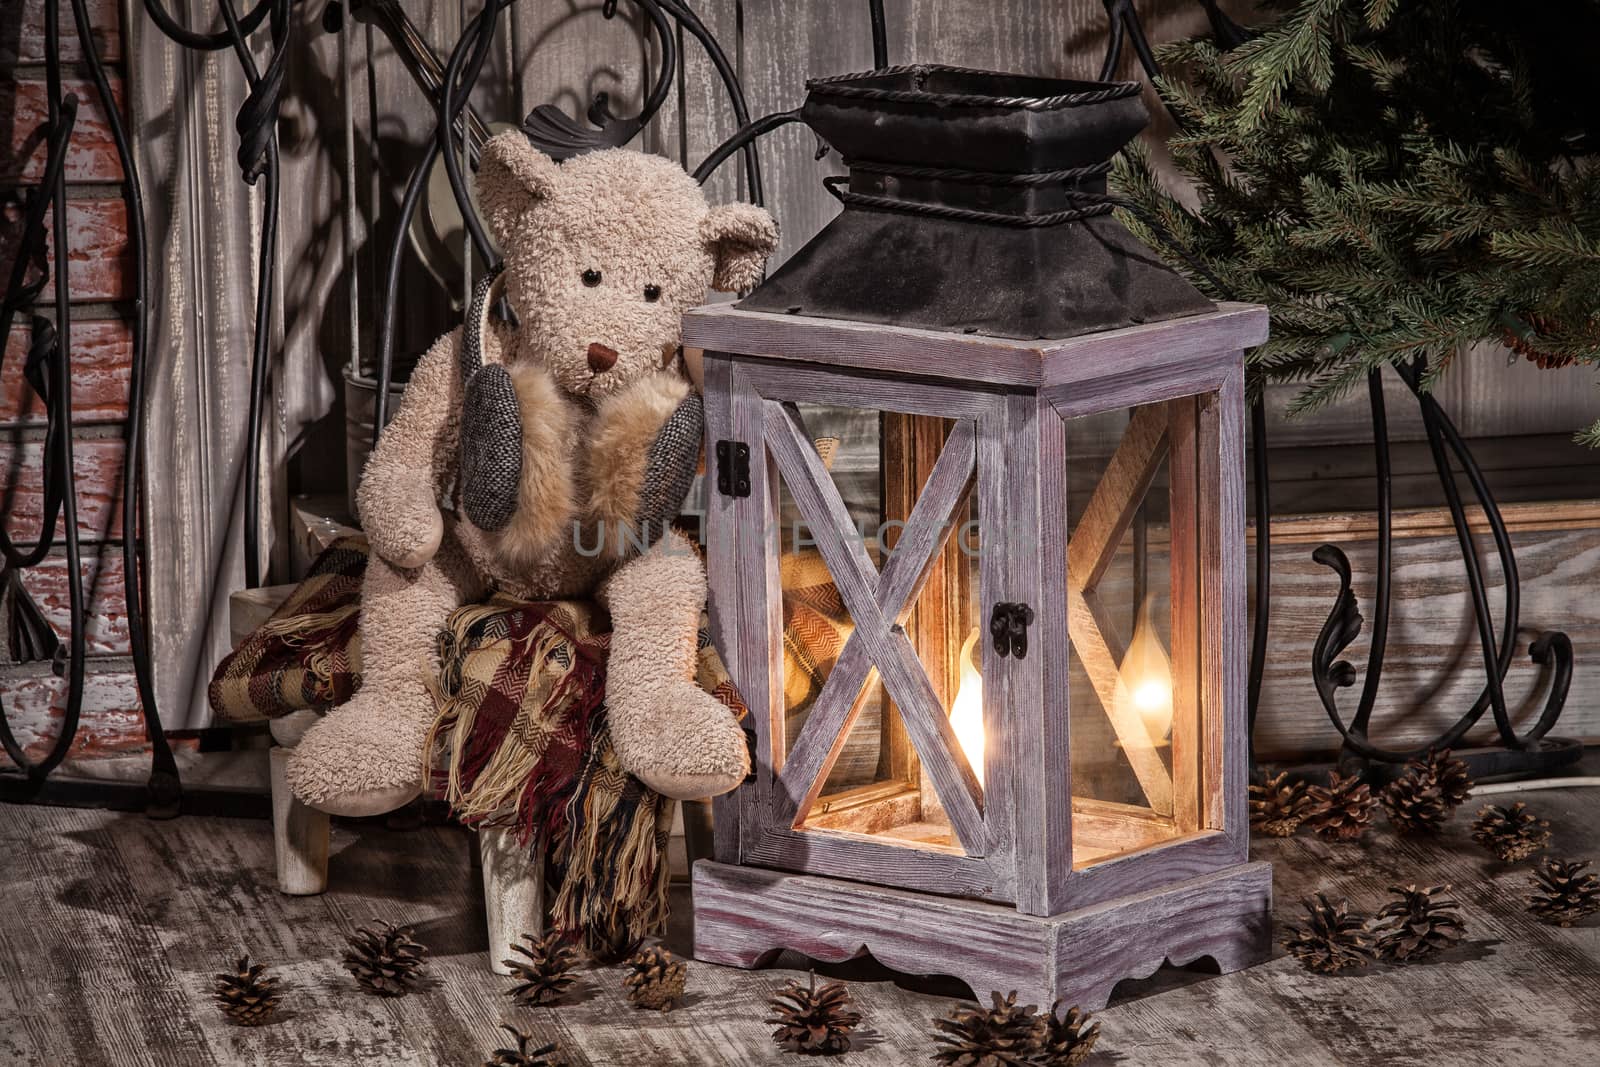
(100, 281)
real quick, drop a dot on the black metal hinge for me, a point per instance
(1008, 625)
(733, 468)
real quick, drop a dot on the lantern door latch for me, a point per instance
(733, 468)
(1008, 625)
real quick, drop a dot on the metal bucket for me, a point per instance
(360, 402)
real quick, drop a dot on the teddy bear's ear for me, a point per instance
(739, 237)
(512, 176)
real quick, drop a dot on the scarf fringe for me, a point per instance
(520, 740)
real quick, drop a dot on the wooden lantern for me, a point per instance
(998, 682)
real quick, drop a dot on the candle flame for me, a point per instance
(966, 714)
(1144, 680)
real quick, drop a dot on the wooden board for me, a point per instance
(1078, 956)
(119, 923)
(1432, 672)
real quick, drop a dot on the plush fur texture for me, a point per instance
(635, 220)
(625, 425)
(651, 696)
(607, 249)
(364, 758)
(547, 499)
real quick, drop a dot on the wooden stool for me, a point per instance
(513, 881)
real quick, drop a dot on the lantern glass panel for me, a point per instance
(874, 782)
(1133, 562)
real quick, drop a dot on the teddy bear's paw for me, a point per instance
(362, 759)
(406, 533)
(686, 745)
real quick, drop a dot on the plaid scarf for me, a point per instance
(520, 739)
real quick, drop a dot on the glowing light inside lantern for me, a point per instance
(966, 714)
(1144, 681)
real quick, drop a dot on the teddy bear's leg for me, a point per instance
(365, 757)
(668, 732)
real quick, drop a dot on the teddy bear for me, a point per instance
(574, 347)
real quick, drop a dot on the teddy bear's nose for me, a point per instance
(601, 357)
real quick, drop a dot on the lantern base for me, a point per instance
(743, 916)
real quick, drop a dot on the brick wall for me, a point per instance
(101, 279)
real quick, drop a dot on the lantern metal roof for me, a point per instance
(976, 203)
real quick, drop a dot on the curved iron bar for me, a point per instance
(684, 14)
(1552, 649)
(31, 254)
(560, 137)
(745, 136)
(1382, 596)
(415, 186)
(1554, 642)
(257, 125)
(165, 789)
(50, 355)
(1124, 23)
(880, 34)
(477, 35)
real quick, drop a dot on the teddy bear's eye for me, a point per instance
(591, 277)
(652, 293)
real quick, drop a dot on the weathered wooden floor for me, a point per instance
(111, 927)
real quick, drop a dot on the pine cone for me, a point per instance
(1278, 808)
(1065, 1040)
(1512, 834)
(813, 1021)
(1563, 894)
(1332, 940)
(245, 996)
(1419, 924)
(522, 1055)
(1001, 1036)
(1415, 803)
(1342, 809)
(546, 975)
(655, 979)
(1455, 784)
(384, 959)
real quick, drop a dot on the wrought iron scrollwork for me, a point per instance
(1551, 650)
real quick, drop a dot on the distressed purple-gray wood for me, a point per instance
(1193, 887)
(743, 916)
(723, 594)
(964, 357)
(1035, 512)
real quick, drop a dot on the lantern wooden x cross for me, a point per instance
(878, 602)
(1090, 551)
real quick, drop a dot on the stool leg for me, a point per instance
(513, 891)
(300, 835)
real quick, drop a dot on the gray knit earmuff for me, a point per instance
(491, 436)
(491, 423)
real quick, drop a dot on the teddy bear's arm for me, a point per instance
(414, 461)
